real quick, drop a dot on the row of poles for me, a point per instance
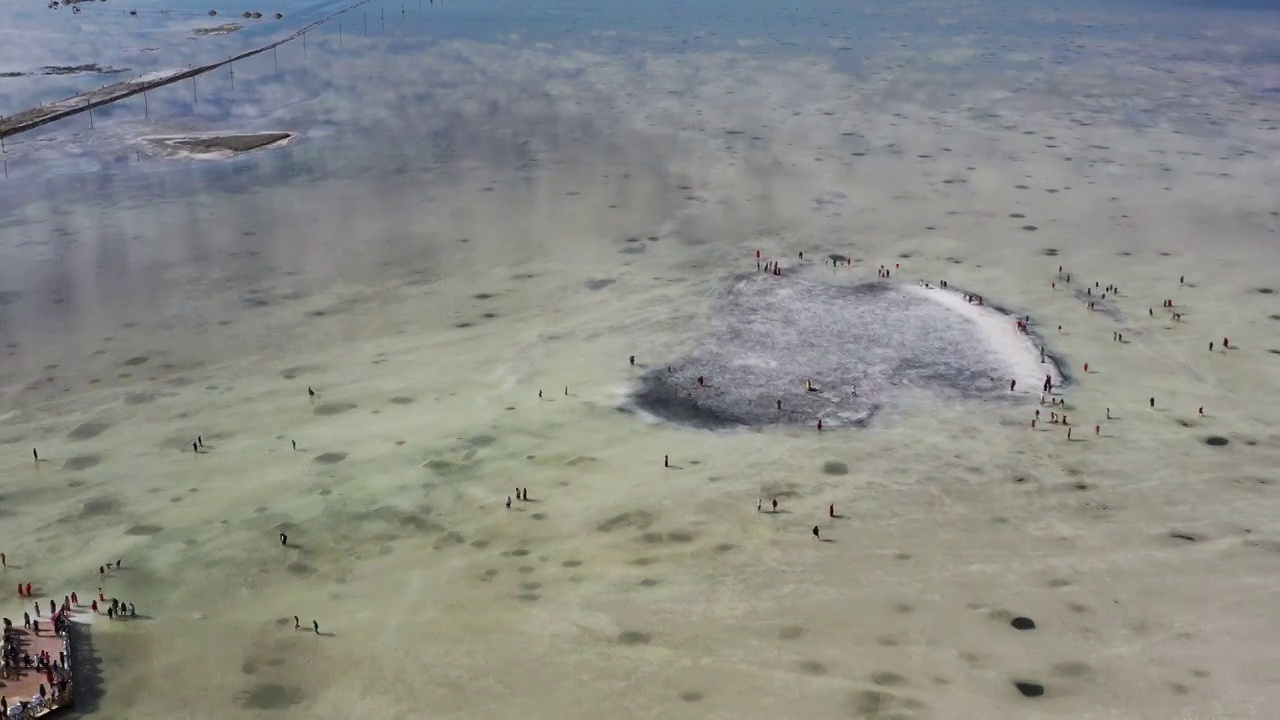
(195, 96)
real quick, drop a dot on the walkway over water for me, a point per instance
(44, 114)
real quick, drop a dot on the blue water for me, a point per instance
(368, 93)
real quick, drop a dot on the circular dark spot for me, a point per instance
(571, 563)
(1023, 623)
(401, 400)
(691, 696)
(1263, 291)
(888, 679)
(1216, 441)
(634, 637)
(1051, 252)
(88, 430)
(790, 632)
(812, 667)
(835, 467)
(81, 462)
(330, 458)
(269, 696)
(1030, 228)
(1029, 689)
(145, 530)
(328, 409)
(297, 568)
(649, 582)
(1017, 215)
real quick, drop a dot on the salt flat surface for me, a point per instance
(429, 269)
(809, 344)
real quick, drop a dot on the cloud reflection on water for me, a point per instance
(417, 131)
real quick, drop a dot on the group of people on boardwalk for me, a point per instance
(44, 632)
(18, 660)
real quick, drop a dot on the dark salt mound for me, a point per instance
(223, 143)
(771, 334)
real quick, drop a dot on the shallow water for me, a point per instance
(489, 201)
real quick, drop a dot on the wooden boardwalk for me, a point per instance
(24, 683)
(44, 114)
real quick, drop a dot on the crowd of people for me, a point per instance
(18, 660)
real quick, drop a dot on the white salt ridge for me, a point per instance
(1000, 331)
